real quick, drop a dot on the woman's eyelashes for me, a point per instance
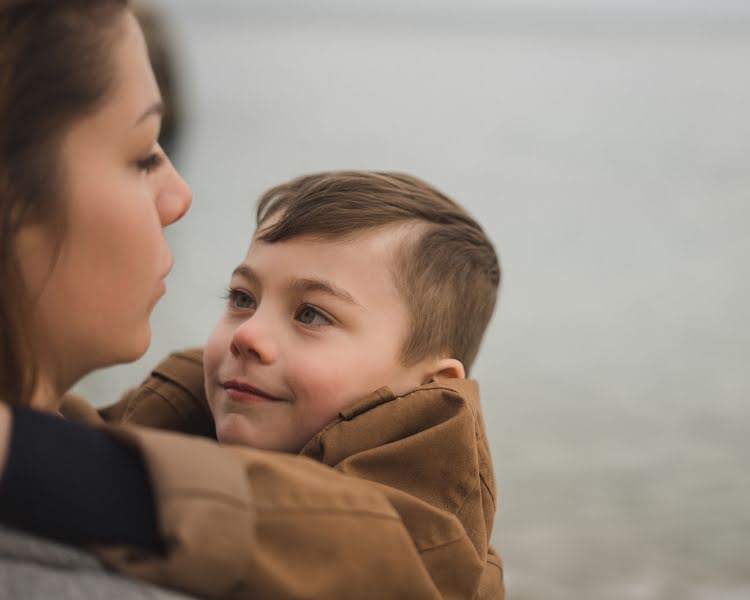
(150, 163)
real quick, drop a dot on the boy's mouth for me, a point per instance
(239, 390)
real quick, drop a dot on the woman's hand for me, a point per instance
(5, 422)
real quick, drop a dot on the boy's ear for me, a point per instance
(448, 368)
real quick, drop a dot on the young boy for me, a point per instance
(348, 331)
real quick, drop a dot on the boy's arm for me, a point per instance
(171, 398)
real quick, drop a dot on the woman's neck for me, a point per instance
(46, 396)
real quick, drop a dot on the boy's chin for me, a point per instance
(233, 428)
(238, 430)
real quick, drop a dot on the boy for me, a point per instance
(353, 281)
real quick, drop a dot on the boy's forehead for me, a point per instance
(342, 260)
(387, 239)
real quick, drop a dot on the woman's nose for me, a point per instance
(174, 199)
(252, 340)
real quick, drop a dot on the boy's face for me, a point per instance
(309, 328)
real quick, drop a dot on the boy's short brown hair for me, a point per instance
(447, 270)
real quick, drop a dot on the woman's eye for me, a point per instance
(311, 316)
(239, 299)
(150, 163)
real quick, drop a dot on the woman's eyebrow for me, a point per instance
(157, 108)
(321, 285)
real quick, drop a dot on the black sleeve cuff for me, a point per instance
(75, 484)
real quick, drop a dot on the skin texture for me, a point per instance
(94, 298)
(307, 351)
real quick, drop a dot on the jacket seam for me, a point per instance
(187, 357)
(489, 490)
(493, 560)
(329, 511)
(169, 403)
(340, 419)
(441, 545)
(227, 499)
(481, 482)
(465, 498)
(421, 389)
(182, 493)
(171, 380)
(483, 466)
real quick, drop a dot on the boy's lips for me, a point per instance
(239, 390)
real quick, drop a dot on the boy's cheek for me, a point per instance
(325, 388)
(218, 342)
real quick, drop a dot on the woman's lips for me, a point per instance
(159, 291)
(238, 390)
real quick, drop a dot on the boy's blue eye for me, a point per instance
(309, 315)
(240, 299)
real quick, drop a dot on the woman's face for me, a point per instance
(92, 300)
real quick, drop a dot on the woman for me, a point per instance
(85, 192)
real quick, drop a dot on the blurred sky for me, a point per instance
(605, 146)
(496, 13)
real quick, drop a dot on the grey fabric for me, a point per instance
(33, 568)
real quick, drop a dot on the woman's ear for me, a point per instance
(448, 368)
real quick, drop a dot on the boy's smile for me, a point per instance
(310, 327)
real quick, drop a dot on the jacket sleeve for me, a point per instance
(239, 523)
(171, 398)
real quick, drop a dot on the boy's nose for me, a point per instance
(252, 341)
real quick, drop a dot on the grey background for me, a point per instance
(606, 148)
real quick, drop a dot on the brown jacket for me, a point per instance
(393, 499)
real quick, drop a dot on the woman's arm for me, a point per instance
(72, 483)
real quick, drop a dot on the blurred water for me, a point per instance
(611, 166)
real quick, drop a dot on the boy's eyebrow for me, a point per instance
(303, 285)
(244, 271)
(321, 285)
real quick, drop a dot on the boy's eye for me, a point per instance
(240, 299)
(309, 315)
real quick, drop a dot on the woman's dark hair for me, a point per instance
(55, 68)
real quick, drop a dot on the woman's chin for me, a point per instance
(135, 347)
(142, 343)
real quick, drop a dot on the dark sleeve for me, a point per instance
(75, 484)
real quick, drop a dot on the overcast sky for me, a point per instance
(674, 7)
